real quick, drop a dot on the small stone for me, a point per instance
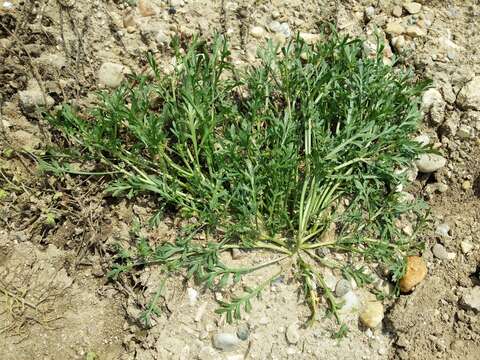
(309, 38)
(397, 11)
(372, 314)
(471, 299)
(434, 105)
(443, 230)
(292, 334)
(257, 32)
(469, 96)
(464, 132)
(398, 42)
(441, 187)
(415, 273)
(343, 286)
(225, 341)
(428, 163)
(330, 279)
(466, 185)
(111, 74)
(466, 247)
(394, 28)
(131, 29)
(423, 139)
(192, 295)
(129, 20)
(145, 8)
(415, 31)
(243, 332)
(281, 28)
(369, 13)
(351, 303)
(236, 254)
(33, 99)
(275, 14)
(412, 7)
(441, 253)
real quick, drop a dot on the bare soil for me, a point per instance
(57, 236)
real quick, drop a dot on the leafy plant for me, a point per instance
(269, 158)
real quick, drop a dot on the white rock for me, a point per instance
(412, 7)
(443, 230)
(192, 295)
(330, 279)
(369, 12)
(469, 96)
(111, 74)
(309, 38)
(471, 298)
(434, 105)
(225, 341)
(372, 314)
(466, 247)
(281, 28)
(423, 139)
(428, 163)
(398, 42)
(257, 32)
(292, 334)
(351, 303)
(33, 98)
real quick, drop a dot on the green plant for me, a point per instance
(266, 158)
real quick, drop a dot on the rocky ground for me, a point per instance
(56, 236)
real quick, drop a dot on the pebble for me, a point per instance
(471, 299)
(330, 279)
(33, 98)
(309, 38)
(292, 334)
(415, 31)
(466, 185)
(464, 132)
(281, 28)
(433, 104)
(466, 247)
(412, 7)
(415, 273)
(369, 13)
(243, 332)
(192, 295)
(394, 28)
(111, 74)
(236, 254)
(145, 8)
(441, 253)
(225, 341)
(372, 314)
(397, 11)
(351, 302)
(343, 286)
(398, 42)
(428, 163)
(443, 230)
(257, 32)
(469, 96)
(423, 139)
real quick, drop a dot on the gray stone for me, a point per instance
(225, 341)
(443, 230)
(34, 98)
(423, 139)
(111, 74)
(369, 13)
(281, 28)
(441, 253)
(471, 299)
(469, 96)
(292, 334)
(428, 163)
(243, 332)
(343, 286)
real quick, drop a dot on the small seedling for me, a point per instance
(263, 158)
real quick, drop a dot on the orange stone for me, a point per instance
(415, 273)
